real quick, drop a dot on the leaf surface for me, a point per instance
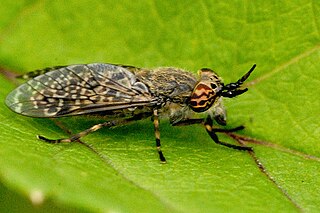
(118, 169)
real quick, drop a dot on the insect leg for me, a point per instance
(157, 135)
(228, 130)
(212, 132)
(188, 122)
(200, 120)
(78, 135)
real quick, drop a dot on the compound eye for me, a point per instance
(202, 97)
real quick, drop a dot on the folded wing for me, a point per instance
(79, 89)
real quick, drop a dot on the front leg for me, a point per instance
(212, 132)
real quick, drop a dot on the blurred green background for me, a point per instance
(123, 173)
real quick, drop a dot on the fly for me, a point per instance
(122, 94)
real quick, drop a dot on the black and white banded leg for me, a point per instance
(212, 132)
(208, 123)
(157, 135)
(78, 135)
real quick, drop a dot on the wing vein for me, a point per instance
(126, 89)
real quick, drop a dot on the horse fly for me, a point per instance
(122, 94)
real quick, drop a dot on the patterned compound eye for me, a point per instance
(206, 91)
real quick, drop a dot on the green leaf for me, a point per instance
(118, 169)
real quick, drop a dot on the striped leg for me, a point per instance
(189, 122)
(212, 132)
(78, 135)
(157, 135)
(93, 129)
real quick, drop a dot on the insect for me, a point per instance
(122, 94)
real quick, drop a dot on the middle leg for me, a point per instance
(157, 135)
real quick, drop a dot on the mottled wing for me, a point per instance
(79, 89)
(36, 73)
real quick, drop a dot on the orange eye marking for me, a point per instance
(201, 96)
(200, 90)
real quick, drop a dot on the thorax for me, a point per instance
(168, 84)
